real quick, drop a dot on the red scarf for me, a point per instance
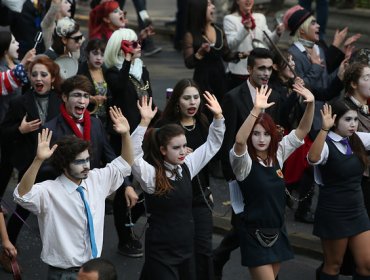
(72, 124)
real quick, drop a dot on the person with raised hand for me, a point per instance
(339, 155)
(164, 170)
(257, 159)
(71, 233)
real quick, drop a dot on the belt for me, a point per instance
(70, 269)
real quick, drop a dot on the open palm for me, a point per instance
(262, 96)
(43, 147)
(120, 123)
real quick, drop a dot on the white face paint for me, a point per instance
(260, 140)
(117, 18)
(79, 168)
(210, 14)
(76, 103)
(96, 59)
(13, 49)
(362, 87)
(41, 79)
(176, 150)
(260, 73)
(347, 124)
(189, 102)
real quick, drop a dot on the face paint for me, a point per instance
(347, 124)
(79, 168)
(261, 71)
(189, 102)
(260, 139)
(175, 151)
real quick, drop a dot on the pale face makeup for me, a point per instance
(41, 79)
(286, 72)
(13, 49)
(175, 151)
(261, 71)
(65, 9)
(117, 18)
(347, 124)
(260, 140)
(79, 168)
(189, 102)
(312, 33)
(96, 59)
(76, 103)
(245, 6)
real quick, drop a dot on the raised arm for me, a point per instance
(306, 122)
(261, 103)
(43, 152)
(121, 126)
(314, 154)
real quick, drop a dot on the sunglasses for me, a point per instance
(77, 38)
(135, 44)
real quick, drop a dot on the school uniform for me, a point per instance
(169, 240)
(340, 211)
(263, 190)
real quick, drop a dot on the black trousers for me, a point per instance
(120, 214)
(6, 167)
(154, 270)
(203, 229)
(221, 254)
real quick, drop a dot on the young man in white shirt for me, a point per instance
(70, 209)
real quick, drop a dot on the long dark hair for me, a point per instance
(196, 19)
(5, 40)
(58, 45)
(172, 113)
(339, 107)
(268, 124)
(352, 75)
(153, 140)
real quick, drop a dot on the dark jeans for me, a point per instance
(62, 274)
(6, 167)
(120, 213)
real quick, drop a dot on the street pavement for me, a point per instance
(165, 69)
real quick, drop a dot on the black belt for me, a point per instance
(70, 269)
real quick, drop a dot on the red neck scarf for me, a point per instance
(72, 124)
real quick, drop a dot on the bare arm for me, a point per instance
(314, 154)
(306, 122)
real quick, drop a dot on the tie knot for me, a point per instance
(344, 141)
(80, 189)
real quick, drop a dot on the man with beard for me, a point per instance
(236, 106)
(70, 209)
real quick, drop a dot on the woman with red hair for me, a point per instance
(106, 18)
(256, 159)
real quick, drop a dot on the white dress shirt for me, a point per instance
(239, 39)
(242, 164)
(61, 213)
(364, 136)
(195, 161)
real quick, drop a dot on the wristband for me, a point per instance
(198, 56)
(325, 129)
(253, 115)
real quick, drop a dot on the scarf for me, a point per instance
(72, 124)
(136, 69)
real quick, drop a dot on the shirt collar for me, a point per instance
(69, 185)
(363, 107)
(170, 166)
(303, 49)
(335, 137)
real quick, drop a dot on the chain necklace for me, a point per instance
(213, 45)
(192, 127)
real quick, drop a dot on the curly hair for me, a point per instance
(68, 148)
(352, 75)
(155, 138)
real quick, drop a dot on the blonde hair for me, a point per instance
(113, 56)
(304, 27)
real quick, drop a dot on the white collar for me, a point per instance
(303, 49)
(69, 185)
(335, 137)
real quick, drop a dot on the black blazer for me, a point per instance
(25, 145)
(236, 107)
(102, 152)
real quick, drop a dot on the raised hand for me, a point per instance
(262, 95)
(145, 107)
(120, 123)
(29, 56)
(304, 92)
(43, 147)
(213, 105)
(27, 127)
(327, 118)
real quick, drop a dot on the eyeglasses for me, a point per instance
(77, 38)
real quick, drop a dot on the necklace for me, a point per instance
(192, 127)
(213, 44)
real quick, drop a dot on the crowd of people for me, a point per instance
(79, 123)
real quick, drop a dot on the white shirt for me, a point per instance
(61, 213)
(239, 39)
(145, 173)
(303, 49)
(364, 136)
(242, 164)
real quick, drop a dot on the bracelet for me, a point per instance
(253, 115)
(325, 129)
